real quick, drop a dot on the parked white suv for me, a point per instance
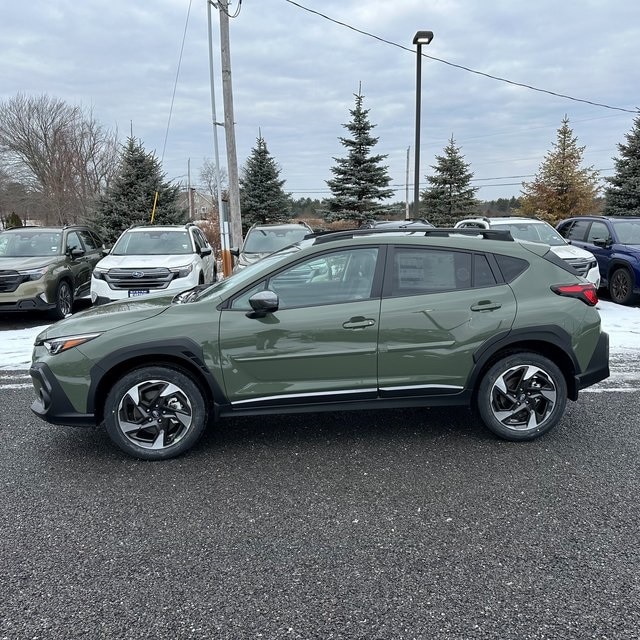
(533, 230)
(150, 259)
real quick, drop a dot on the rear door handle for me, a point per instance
(486, 305)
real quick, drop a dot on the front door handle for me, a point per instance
(358, 322)
(486, 305)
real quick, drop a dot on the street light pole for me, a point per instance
(421, 37)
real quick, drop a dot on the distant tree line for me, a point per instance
(59, 165)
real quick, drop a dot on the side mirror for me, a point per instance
(205, 252)
(262, 303)
(234, 251)
(602, 242)
(74, 252)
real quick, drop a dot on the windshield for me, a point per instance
(261, 240)
(153, 242)
(628, 231)
(539, 232)
(30, 244)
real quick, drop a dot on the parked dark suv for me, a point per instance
(615, 242)
(360, 319)
(47, 268)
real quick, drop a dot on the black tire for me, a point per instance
(64, 301)
(522, 396)
(155, 413)
(621, 286)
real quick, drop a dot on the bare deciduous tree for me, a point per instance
(208, 177)
(59, 152)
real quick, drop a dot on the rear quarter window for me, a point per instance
(512, 267)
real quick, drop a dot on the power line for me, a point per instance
(459, 66)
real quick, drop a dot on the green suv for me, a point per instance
(356, 319)
(47, 268)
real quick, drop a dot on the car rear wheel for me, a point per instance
(155, 413)
(522, 396)
(621, 286)
(64, 301)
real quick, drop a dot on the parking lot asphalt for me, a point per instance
(372, 525)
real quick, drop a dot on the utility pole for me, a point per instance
(225, 245)
(229, 126)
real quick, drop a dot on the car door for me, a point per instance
(320, 346)
(208, 260)
(438, 307)
(80, 266)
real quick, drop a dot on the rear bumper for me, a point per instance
(598, 367)
(52, 404)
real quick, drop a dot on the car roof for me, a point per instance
(279, 225)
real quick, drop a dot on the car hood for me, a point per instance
(22, 264)
(142, 262)
(568, 251)
(109, 316)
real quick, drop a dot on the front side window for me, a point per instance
(331, 278)
(598, 231)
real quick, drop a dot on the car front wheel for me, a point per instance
(155, 413)
(63, 301)
(522, 396)
(621, 286)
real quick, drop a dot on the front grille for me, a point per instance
(9, 281)
(581, 265)
(154, 278)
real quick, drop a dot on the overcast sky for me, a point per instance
(295, 74)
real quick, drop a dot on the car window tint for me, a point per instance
(578, 230)
(416, 271)
(73, 241)
(482, 274)
(89, 241)
(598, 231)
(511, 267)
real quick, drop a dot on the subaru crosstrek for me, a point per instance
(150, 258)
(47, 268)
(615, 242)
(396, 319)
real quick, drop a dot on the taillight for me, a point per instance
(585, 292)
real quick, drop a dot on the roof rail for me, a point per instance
(437, 232)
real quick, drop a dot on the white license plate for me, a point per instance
(134, 293)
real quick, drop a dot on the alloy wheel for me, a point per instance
(155, 414)
(523, 397)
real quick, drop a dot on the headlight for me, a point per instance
(58, 345)
(33, 274)
(98, 273)
(182, 272)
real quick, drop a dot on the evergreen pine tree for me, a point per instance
(561, 188)
(622, 195)
(360, 180)
(13, 220)
(262, 198)
(449, 195)
(130, 198)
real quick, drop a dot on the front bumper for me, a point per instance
(52, 404)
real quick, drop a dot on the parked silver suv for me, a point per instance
(534, 230)
(263, 239)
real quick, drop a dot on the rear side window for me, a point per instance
(416, 271)
(512, 267)
(577, 231)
